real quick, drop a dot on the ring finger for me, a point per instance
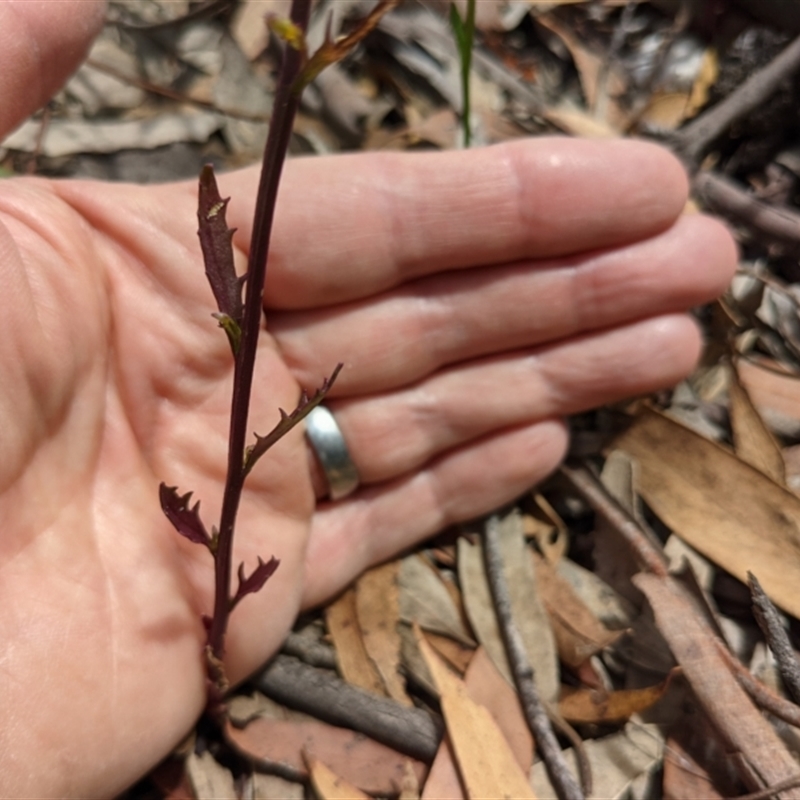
(394, 433)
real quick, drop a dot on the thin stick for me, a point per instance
(771, 626)
(589, 487)
(697, 135)
(724, 196)
(760, 694)
(771, 791)
(325, 696)
(561, 778)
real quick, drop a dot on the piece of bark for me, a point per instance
(764, 757)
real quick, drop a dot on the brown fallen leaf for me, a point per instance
(752, 439)
(355, 665)
(724, 508)
(598, 705)
(328, 785)
(486, 763)
(372, 767)
(378, 610)
(443, 781)
(775, 395)
(578, 633)
(486, 686)
(457, 655)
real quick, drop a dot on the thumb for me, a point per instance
(41, 44)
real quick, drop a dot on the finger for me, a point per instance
(351, 226)
(351, 536)
(409, 333)
(397, 432)
(42, 43)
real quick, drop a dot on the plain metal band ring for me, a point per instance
(329, 445)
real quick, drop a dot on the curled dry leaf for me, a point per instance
(600, 706)
(547, 529)
(578, 633)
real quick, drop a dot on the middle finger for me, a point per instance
(408, 333)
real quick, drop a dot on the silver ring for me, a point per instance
(328, 443)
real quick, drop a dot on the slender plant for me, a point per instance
(464, 32)
(241, 322)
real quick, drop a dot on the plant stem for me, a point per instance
(284, 110)
(465, 42)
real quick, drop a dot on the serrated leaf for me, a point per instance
(216, 244)
(257, 578)
(287, 421)
(185, 520)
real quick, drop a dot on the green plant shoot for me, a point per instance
(464, 32)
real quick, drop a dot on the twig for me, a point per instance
(569, 733)
(321, 693)
(725, 196)
(560, 776)
(761, 694)
(771, 791)
(312, 653)
(777, 640)
(692, 140)
(590, 488)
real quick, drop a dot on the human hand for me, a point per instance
(474, 298)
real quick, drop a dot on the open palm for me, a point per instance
(474, 299)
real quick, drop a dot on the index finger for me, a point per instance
(350, 226)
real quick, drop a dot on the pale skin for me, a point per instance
(474, 298)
